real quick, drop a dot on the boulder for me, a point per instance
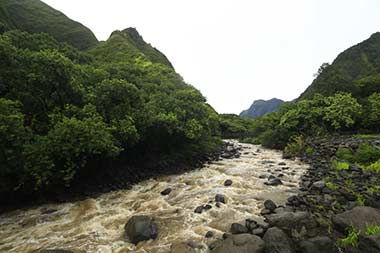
(270, 205)
(182, 247)
(141, 228)
(317, 187)
(243, 243)
(359, 217)
(318, 244)
(209, 234)
(276, 241)
(289, 220)
(369, 244)
(237, 228)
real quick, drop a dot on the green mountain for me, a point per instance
(34, 16)
(261, 107)
(356, 70)
(128, 43)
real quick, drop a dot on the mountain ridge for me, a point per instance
(261, 107)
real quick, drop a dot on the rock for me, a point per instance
(198, 209)
(228, 182)
(288, 220)
(276, 241)
(141, 228)
(220, 198)
(167, 191)
(317, 245)
(182, 247)
(209, 234)
(258, 231)
(273, 182)
(265, 212)
(282, 164)
(317, 187)
(251, 224)
(369, 244)
(359, 217)
(243, 243)
(270, 205)
(207, 207)
(48, 211)
(237, 228)
(57, 251)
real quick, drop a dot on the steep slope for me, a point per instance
(356, 70)
(262, 107)
(128, 43)
(34, 16)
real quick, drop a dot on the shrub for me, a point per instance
(367, 154)
(352, 239)
(375, 167)
(345, 154)
(373, 230)
(340, 165)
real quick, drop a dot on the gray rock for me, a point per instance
(276, 241)
(141, 228)
(270, 205)
(274, 182)
(237, 228)
(209, 234)
(359, 217)
(317, 187)
(369, 244)
(198, 209)
(220, 198)
(243, 243)
(317, 245)
(289, 220)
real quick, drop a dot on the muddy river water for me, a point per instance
(97, 225)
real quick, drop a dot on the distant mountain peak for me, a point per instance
(261, 107)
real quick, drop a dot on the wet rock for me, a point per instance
(228, 182)
(282, 164)
(276, 241)
(207, 207)
(369, 244)
(167, 191)
(220, 198)
(258, 231)
(183, 247)
(274, 182)
(209, 234)
(317, 245)
(359, 217)
(251, 224)
(262, 176)
(141, 228)
(265, 212)
(243, 243)
(198, 209)
(237, 228)
(270, 205)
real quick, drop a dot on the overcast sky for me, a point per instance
(236, 51)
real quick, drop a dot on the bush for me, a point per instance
(367, 154)
(345, 154)
(375, 167)
(340, 165)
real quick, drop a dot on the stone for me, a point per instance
(209, 234)
(276, 241)
(182, 247)
(270, 205)
(318, 244)
(198, 209)
(237, 228)
(274, 182)
(289, 220)
(369, 244)
(228, 182)
(167, 191)
(251, 224)
(220, 198)
(318, 186)
(359, 217)
(258, 231)
(242, 243)
(141, 228)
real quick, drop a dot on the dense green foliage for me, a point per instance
(62, 109)
(34, 16)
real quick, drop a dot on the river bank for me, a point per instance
(337, 209)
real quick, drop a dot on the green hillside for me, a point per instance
(34, 16)
(356, 70)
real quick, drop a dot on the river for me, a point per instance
(97, 224)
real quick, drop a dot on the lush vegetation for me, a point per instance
(35, 16)
(62, 109)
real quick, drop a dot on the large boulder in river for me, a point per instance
(359, 217)
(276, 241)
(242, 243)
(288, 220)
(141, 228)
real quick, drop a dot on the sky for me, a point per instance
(237, 51)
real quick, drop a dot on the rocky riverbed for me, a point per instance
(179, 213)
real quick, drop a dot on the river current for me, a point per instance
(97, 224)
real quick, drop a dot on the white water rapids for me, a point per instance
(97, 225)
